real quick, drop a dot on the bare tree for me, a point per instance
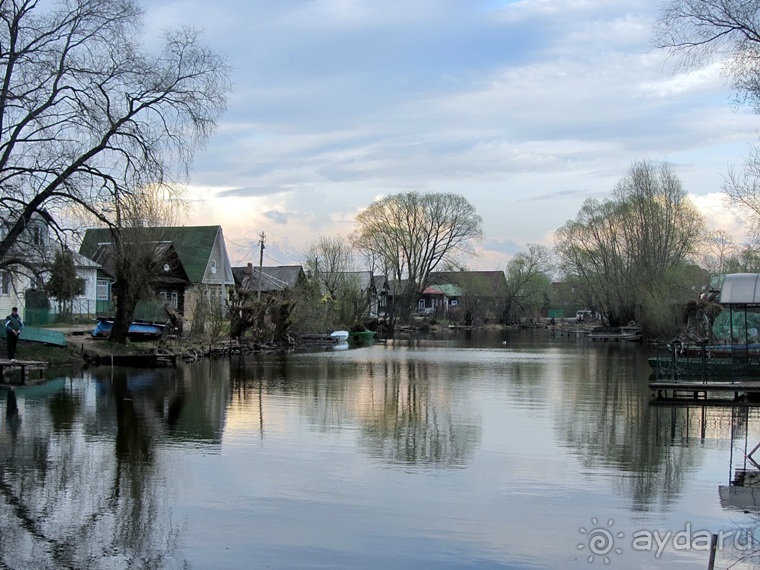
(697, 32)
(414, 234)
(330, 260)
(743, 190)
(720, 249)
(347, 291)
(627, 252)
(87, 115)
(136, 251)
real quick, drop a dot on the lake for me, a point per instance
(477, 449)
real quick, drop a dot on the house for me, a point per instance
(438, 298)
(449, 289)
(193, 260)
(271, 279)
(22, 285)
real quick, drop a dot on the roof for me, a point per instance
(363, 279)
(496, 281)
(446, 289)
(193, 244)
(275, 278)
(740, 289)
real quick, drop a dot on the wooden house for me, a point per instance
(192, 263)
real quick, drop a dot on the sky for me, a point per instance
(526, 108)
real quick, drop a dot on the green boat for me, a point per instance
(361, 334)
(44, 336)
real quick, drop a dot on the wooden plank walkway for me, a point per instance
(701, 390)
(26, 366)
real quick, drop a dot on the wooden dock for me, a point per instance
(679, 390)
(616, 334)
(25, 366)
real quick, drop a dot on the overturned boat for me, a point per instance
(138, 330)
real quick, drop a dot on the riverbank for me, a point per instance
(82, 349)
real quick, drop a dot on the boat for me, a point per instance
(361, 334)
(138, 330)
(43, 336)
(361, 338)
(339, 336)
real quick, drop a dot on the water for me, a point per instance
(453, 450)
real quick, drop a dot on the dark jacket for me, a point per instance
(14, 322)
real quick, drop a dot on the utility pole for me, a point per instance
(261, 264)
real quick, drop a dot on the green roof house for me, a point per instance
(193, 258)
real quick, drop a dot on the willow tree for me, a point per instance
(528, 282)
(87, 114)
(630, 252)
(414, 234)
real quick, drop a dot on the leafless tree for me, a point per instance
(87, 115)
(138, 249)
(627, 251)
(414, 234)
(698, 32)
(330, 260)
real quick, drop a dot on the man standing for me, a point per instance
(13, 326)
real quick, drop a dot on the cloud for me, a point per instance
(526, 108)
(279, 218)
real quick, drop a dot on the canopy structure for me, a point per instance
(740, 289)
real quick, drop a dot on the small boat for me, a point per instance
(361, 334)
(138, 330)
(43, 336)
(339, 336)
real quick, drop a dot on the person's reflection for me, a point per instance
(12, 418)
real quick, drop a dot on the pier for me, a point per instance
(25, 366)
(697, 390)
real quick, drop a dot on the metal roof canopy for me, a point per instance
(740, 289)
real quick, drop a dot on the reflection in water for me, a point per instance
(283, 460)
(413, 412)
(608, 421)
(83, 486)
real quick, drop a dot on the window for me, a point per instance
(213, 266)
(5, 283)
(175, 299)
(102, 290)
(453, 302)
